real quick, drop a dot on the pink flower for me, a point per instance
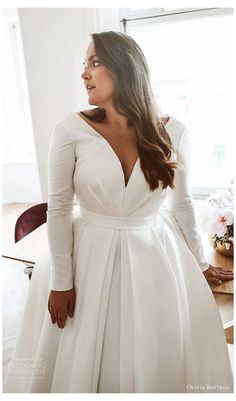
(219, 220)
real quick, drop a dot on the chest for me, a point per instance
(124, 146)
(125, 149)
(122, 143)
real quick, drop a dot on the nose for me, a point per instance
(85, 74)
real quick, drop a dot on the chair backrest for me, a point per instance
(30, 219)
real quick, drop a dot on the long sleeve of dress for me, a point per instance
(61, 164)
(181, 203)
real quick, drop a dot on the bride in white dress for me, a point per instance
(120, 300)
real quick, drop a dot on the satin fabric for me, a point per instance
(145, 318)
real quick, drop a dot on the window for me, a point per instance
(18, 141)
(190, 55)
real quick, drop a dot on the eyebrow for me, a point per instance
(90, 58)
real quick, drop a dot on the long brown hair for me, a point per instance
(122, 56)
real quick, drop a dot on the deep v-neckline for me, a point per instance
(115, 156)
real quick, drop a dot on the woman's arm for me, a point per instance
(180, 202)
(61, 164)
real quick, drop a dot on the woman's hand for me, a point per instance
(216, 275)
(61, 304)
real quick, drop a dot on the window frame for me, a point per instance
(161, 15)
(150, 16)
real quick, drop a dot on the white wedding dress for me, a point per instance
(145, 318)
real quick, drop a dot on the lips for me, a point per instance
(87, 85)
(91, 89)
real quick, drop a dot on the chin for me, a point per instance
(91, 101)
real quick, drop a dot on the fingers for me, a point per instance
(221, 268)
(53, 315)
(60, 305)
(71, 307)
(216, 275)
(61, 319)
(58, 317)
(225, 272)
(221, 274)
(51, 312)
(225, 277)
(216, 281)
(62, 315)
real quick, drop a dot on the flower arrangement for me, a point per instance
(219, 218)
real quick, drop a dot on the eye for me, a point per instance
(96, 61)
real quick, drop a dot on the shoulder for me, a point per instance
(164, 118)
(62, 131)
(68, 124)
(176, 130)
(66, 119)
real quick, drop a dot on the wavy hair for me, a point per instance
(134, 99)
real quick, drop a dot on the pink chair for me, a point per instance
(27, 222)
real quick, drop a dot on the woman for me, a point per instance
(125, 277)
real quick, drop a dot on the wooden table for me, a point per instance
(29, 249)
(224, 292)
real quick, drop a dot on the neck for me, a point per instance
(115, 119)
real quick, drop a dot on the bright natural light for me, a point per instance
(191, 64)
(18, 142)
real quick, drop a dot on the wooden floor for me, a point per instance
(15, 286)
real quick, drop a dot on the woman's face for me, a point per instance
(95, 74)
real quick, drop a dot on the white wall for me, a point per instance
(54, 44)
(20, 183)
(107, 19)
